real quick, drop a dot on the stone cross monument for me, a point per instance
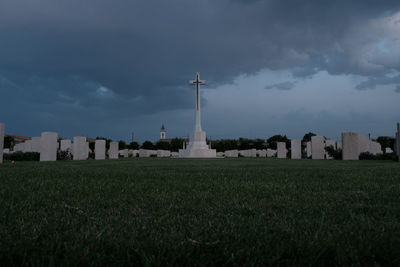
(197, 147)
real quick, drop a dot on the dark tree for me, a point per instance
(147, 145)
(9, 142)
(176, 144)
(273, 140)
(307, 137)
(386, 141)
(163, 145)
(122, 145)
(133, 145)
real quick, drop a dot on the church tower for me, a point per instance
(162, 133)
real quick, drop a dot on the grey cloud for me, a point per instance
(281, 86)
(373, 82)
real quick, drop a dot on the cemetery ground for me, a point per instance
(243, 211)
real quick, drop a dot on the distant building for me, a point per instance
(162, 133)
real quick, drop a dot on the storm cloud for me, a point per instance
(120, 59)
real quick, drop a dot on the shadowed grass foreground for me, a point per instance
(200, 212)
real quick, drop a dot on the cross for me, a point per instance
(197, 82)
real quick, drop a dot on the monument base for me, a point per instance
(197, 147)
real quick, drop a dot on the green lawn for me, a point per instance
(200, 212)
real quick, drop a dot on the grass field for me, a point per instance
(200, 212)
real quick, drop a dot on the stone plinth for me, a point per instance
(197, 147)
(282, 151)
(262, 153)
(48, 146)
(163, 154)
(374, 147)
(100, 150)
(296, 149)
(113, 151)
(2, 132)
(317, 147)
(80, 148)
(351, 147)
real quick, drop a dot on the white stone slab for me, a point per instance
(232, 153)
(175, 154)
(66, 145)
(124, 153)
(398, 141)
(339, 145)
(317, 147)
(374, 147)
(271, 153)
(363, 144)
(295, 149)
(2, 133)
(48, 146)
(262, 153)
(282, 151)
(36, 144)
(80, 148)
(6, 151)
(308, 149)
(351, 147)
(27, 147)
(100, 150)
(113, 151)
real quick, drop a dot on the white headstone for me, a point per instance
(282, 152)
(80, 148)
(362, 144)
(27, 146)
(309, 150)
(317, 147)
(36, 144)
(296, 149)
(66, 145)
(262, 153)
(374, 147)
(174, 154)
(271, 153)
(351, 147)
(232, 153)
(124, 153)
(113, 151)
(100, 150)
(48, 146)
(2, 130)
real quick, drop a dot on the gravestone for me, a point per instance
(329, 143)
(220, 154)
(48, 146)
(308, 149)
(282, 152)
(351, 147)
(271, 153)
(362, 144)
(163, 153)
(317, 147)
(124, 153)
(80, 148)
(66, 145)
(36, 144)
(2, 130)
(232, 153)
(100, 150)
(113, 151)
(374, 147)
(262, 153)
(296, 149)
(27, 146)
(174, 154)
(388, 150)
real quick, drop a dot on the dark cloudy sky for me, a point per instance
(107, 68)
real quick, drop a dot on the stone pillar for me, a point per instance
(80, 148)
(317, 147)
(351, 147)
(100, 150)
(48, 146)
(2, 129)
(66, 145)
(36, 144)
(113, 151)
(282, 152)
(309, 150)
(296, 149)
